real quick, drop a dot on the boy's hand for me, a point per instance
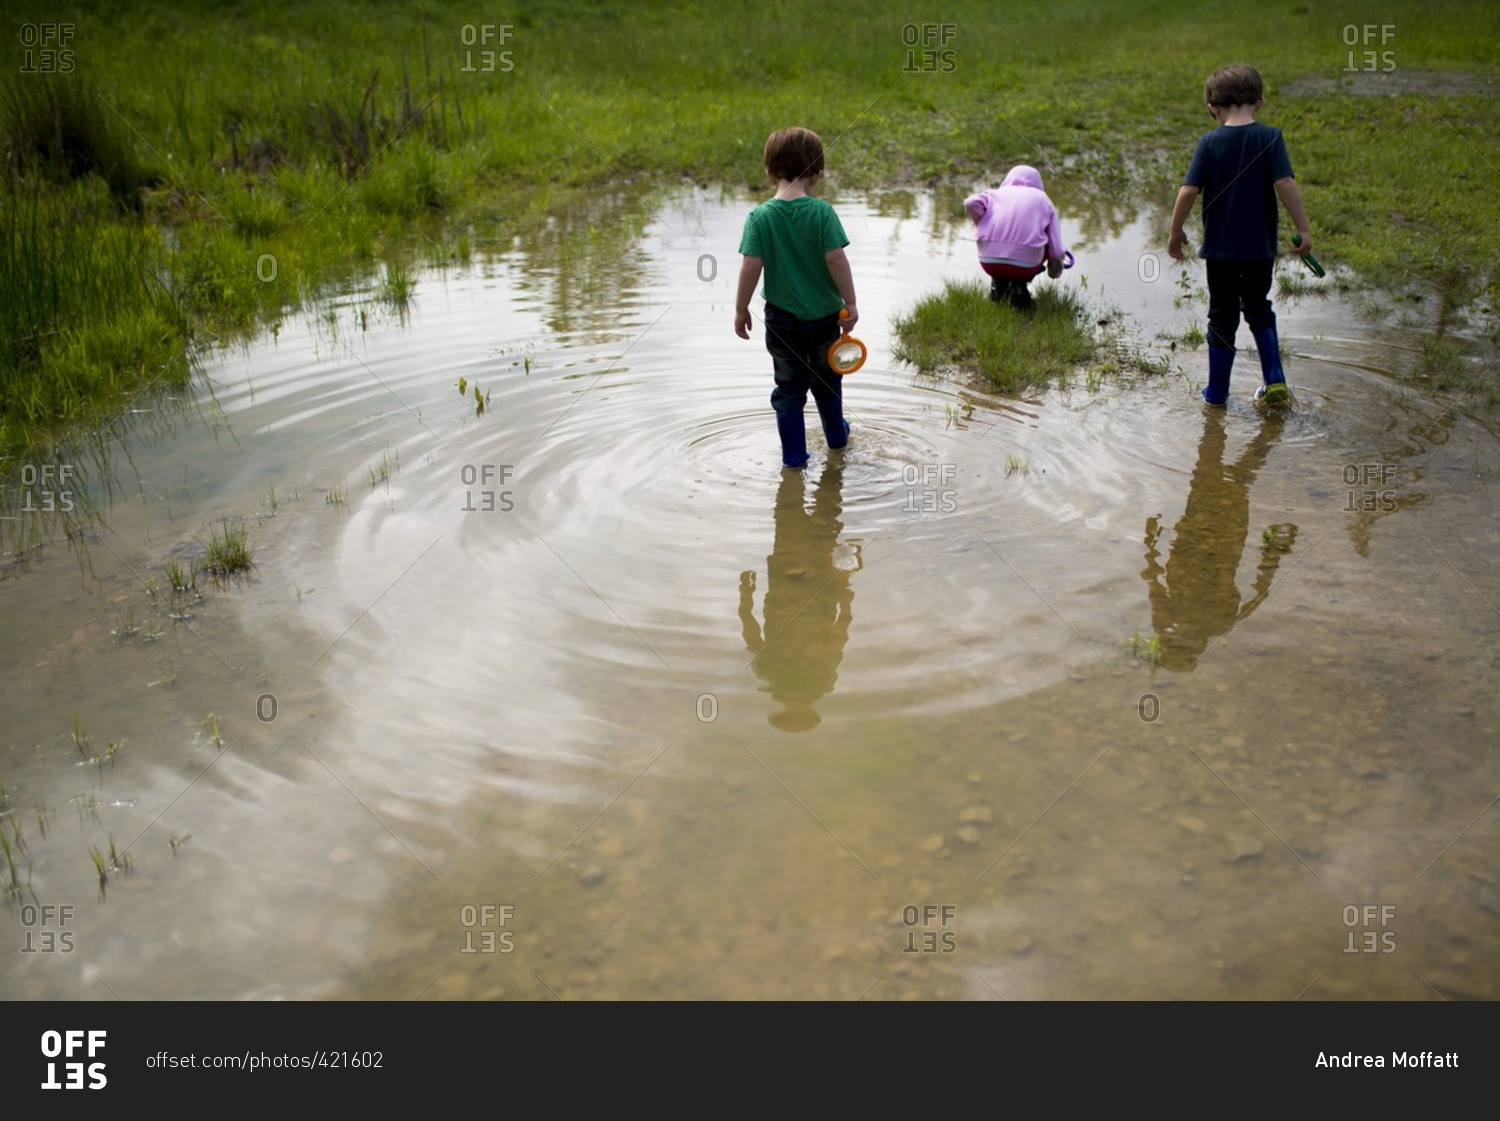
(847, 324)
(1306, 247)
(1054, 268)
(742, 324)
(1175, 244)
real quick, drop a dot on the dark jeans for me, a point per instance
(799, 355)
(1235, 287)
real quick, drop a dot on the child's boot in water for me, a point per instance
(1220, 363)
(793, 431)
(835, 427)
(1274, 392)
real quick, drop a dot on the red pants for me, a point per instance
(1022, 273)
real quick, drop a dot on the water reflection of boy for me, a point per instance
(1199, 600)
(807, 604)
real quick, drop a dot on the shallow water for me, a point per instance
(695, 727)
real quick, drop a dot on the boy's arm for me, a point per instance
(843, 277)
(1291, 198)
(749, 278)
(1180, 213)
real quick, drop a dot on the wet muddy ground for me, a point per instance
(580, 695)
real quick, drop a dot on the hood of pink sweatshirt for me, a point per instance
(1023, 176)
(1016, 221)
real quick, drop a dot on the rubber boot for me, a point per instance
(999, 289)
(1268, 346)
(1220, 362)
(793, 430)
(835, 427)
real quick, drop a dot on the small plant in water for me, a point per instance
(1146, 650)
(388, 465)
(177, 578)
(229, 551)
(81, 740)
(1014, 466)
(126, 627)
(338, 493)
(177, 842)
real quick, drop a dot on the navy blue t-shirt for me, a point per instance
(1235, 167)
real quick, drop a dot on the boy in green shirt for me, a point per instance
(799, 242)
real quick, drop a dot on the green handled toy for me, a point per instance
(1312, 262)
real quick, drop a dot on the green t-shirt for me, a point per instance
(791, 236)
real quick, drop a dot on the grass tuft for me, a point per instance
(961, 329)
(229, 552)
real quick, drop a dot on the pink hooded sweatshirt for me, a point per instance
(1017, 222)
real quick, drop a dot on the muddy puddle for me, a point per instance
(1086, 694)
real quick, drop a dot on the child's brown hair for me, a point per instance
(1233, 85)
(794, 153)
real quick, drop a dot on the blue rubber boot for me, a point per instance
(835, 427)
(1220, 362)
(1268, 346)
(793, 430)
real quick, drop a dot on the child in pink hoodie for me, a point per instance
(1019, 234)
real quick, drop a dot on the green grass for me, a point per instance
(1146, 650)
(388, 464)
(961, 329)
(269, 152)
(229, 551)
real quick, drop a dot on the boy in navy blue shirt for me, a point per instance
(1241, 169)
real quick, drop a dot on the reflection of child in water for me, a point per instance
(1200, 600)
(807, 603)
(1019, 234)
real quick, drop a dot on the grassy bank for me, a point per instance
(200, 171)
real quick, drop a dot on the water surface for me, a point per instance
(696, 727)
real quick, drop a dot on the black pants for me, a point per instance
(1235, 287)
(799, 357)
